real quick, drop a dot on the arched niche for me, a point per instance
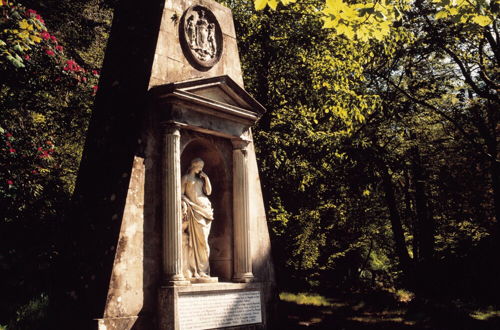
(214, 152)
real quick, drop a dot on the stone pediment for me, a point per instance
(218, 104)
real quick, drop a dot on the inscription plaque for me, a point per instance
(217, 310)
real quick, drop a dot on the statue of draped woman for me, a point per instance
(197, 216)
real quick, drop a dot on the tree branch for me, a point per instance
(445, 116)
(468, 77)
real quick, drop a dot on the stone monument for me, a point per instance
(168, 222)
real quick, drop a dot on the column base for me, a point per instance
(244, 278)
(178, 283)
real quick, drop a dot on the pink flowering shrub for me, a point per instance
(45, 100)
(23, 33)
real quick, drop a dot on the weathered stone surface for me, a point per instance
(112, 271)
(168, 301)
(125, 295)
(170, 64)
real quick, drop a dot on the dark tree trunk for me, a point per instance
(409, 203)
(487, 127)
(424, 227)
(492, 145)
(425, 222)
(396, 224)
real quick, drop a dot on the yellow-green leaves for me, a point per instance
(482, 20)
(364, 21)
(261, 4)
(374, 19)
(475, 12)
(25, 25)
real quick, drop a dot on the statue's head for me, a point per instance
(197, 165)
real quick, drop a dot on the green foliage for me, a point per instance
(352, 101)
(32, 315)
(374, 20)
(305, 299)
(45, 108)
(484, 315)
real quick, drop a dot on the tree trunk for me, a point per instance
(425, 222)
(492, 145)
(487, 127)
(425, 227)
(396, 224)
(409, 215)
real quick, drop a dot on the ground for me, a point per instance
(379, 311)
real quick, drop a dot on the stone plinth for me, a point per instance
(212, 306)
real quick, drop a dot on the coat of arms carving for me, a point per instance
(201, 37)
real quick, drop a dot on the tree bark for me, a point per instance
(396, 224)
(425, 222)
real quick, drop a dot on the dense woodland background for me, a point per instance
(379, 156)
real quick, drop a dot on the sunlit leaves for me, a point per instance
(370, 20)
(261, 4)
(367, 20)
(475, 12)
(482, 20)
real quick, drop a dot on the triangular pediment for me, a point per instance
(220, 90)
(218, 93)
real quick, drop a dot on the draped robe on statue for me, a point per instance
(197, 220)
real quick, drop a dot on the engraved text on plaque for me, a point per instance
(221, 309)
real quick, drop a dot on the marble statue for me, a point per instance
(197, 216)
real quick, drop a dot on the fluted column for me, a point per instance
(241, 214)
(172, 217)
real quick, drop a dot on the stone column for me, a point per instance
(241, 214)
(171, 200)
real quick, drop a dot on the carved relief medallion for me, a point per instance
(201, 37)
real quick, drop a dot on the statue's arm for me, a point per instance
(207, 187)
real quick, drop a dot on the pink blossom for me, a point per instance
(12, 150)
(45, 35)
(59, 48)
(10, 182)
(70, 66)
(50, 52)
(53, 38)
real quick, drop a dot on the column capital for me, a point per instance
(241, 144)
(170, 128)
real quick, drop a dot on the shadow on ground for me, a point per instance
(363, 314)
